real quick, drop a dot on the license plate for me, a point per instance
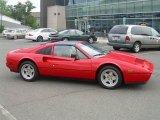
(116, 38)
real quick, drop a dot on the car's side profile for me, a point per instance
(79, 60)
(134, 37)
(15, 34)
(40, 34)
(72, 35)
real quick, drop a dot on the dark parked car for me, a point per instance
(71, 35)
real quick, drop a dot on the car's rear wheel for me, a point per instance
(90, 40)
(28, 71)
(116, 48)
(39, 39)
(136, 47)
(110, 77)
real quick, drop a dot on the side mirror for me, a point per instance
(74, 56)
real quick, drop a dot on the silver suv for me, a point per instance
(133, 37)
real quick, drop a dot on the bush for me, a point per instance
(1, 29)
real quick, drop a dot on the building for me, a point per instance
(57, 8)
(102, 15)
(10, 23)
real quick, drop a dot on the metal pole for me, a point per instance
(1, 15)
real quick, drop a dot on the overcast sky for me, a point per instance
(36, 3)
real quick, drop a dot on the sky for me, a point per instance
(36, 3)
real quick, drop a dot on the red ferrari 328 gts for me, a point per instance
(79, 60)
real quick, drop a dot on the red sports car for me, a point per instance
(79, 60)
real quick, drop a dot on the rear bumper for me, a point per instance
(120, 45)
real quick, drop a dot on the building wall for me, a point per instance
(104, 14)
(56, 17)
(44, 5)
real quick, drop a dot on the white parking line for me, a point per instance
(7, 114)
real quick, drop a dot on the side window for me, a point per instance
(79, 32)
(136, 31)
(146, 31)
(45, 30)
(45, 51)
(72, 32)
(51, 30)
(81, 55)
(67, 51)
(64, 50)
(154, 32)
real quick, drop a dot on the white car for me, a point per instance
(40, 34)
(15, 34)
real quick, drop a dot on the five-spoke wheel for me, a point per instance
(28, 71)
(110, 77)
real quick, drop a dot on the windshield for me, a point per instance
(92, 50)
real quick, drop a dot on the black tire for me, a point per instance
(34, 68)
(116, 48)
(107, 82)
(39, 39)
(90, 40)
(65, 39)
(136, 47)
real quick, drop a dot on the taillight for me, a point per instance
(127, 38)
(55, 35)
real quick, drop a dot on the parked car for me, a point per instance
(4, 33)
(15, 34)
(82, 60)
(40, 34)
(72, 34)
(134, 37)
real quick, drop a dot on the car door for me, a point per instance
(65, 66)
(45, 34)
(155, 38)
(148, 40)
(73, 35)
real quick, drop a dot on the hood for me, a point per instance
(125, 57)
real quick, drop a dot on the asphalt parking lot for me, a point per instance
(64, 99)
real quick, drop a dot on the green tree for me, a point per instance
(4, 8)
(22, 12)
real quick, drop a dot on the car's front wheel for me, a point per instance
(110, 77)
(28, 71)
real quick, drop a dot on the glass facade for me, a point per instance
(102, 15)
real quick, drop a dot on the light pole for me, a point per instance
(1, 15)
